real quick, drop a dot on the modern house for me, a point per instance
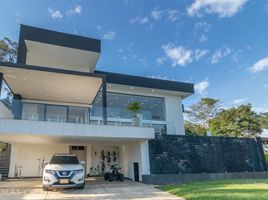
(53, 100)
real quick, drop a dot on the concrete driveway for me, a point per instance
(95, 189)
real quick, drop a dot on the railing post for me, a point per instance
(104, 100)
(1, 81)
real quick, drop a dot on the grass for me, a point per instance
(244, 189)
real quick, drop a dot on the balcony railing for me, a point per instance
(94, 115)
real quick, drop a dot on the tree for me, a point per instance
(8, 50)
(264, 120)
(203, 111)
(194, 129)
(237, 122)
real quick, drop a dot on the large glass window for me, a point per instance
(31, 111)
(6, 95)
(56, 113)
(78, 115)
(152, 108)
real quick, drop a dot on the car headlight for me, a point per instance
(48, 171)
(78, 171)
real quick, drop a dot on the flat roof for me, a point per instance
(138, 81)
(59, 38)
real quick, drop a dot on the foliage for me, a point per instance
(134, 107)
(266, 158)
(238, 122)
(263, 117)
(8, 50)
(2, 146)
(204, 110)
(194, 129)
(243, 189)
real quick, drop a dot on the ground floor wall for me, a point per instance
(27, 159)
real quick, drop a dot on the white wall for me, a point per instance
(175, 122)
(135, 152)
(4, 112)
(26, 156)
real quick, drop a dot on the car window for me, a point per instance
(72, 160)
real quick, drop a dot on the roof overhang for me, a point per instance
(61, 50)
(148, 85)
(39, 83)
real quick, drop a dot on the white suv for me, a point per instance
(63, 171)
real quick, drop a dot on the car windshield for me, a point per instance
(71, 160)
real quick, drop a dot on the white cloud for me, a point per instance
(199, 53)
(220, 54)
(138, 20)
(178, 55)
(160, 61)
(239, 101)
(223, 8)
(201, 86)
(75, 10)
(265, 86)
(110, 35)
(200, 31)
(156, 14)
(99, 27)
(55, 14)
(260, 109)
(18, 16)
(259, 66)
(173, 15)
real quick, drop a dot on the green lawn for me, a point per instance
(256, 189)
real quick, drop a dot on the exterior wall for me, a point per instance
(21, 128)
(4, 112)
(135, 152)
(26, 157)
(173, 154)
(174, 112)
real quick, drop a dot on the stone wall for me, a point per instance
(174, 154)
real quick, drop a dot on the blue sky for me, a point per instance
(219, 45)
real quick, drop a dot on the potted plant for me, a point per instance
(134, 108)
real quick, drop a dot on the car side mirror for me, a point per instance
(82, 162)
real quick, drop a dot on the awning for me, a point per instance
(32, 82)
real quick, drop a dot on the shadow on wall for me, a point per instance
(173, 154)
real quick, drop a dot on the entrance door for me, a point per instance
(136, 171)
(80, 152)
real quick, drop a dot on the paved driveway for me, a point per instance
(95, 189)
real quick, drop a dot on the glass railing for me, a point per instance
(94, 115)
(6, 96)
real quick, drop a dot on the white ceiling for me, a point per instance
(48, 55)
(59, 87)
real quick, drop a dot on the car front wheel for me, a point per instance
(83, 186)
(45, 188)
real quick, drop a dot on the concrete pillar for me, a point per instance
(13, 156)
(145, 162)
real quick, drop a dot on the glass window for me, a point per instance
(56, 113)
(31, 111)
(152, 108)
(64, 160)
(78, 115)
(97, 108)
(6, 95)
